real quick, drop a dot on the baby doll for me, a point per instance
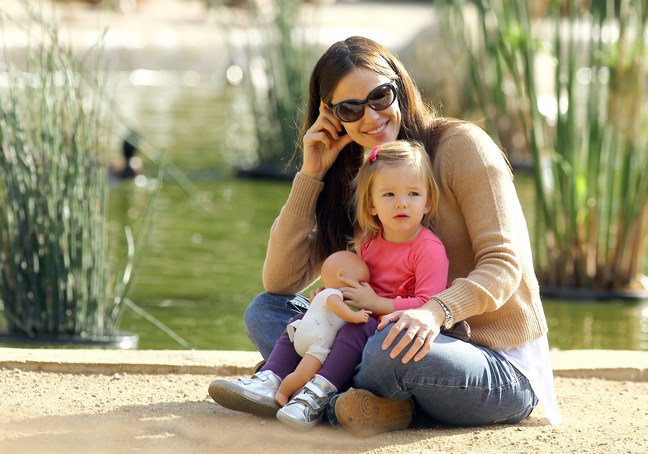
(314, 334)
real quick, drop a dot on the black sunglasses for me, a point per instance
(378, 99)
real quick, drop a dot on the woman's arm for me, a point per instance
(475, 175)
(291, 264)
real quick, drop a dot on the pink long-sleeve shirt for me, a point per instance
(410, 272)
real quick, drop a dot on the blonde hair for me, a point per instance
(391, 154)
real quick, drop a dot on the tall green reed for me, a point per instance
(587, 135)
(56, 274)
(264, 40)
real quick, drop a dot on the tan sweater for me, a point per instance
(491, 280)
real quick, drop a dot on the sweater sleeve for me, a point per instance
(430, 264)
(291, 264)
(474, 170)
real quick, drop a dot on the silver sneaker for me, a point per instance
(307, 408)
(253, 395)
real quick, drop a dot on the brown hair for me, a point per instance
(391, 154)
(419, 122)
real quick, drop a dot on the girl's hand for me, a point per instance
(323, 143)
(420, 327)
(360, 295)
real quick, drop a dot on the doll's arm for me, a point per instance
(336, 305)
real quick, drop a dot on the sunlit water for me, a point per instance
(208, 239)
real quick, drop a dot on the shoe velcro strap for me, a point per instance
(309, 396)
(313, 388)
(307, 400)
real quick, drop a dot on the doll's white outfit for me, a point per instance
(315, 332)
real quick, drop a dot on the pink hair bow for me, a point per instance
(374, 154)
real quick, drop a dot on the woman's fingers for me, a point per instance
(326, 121)
(322, 144)
(396, 329)
(416, 337)
(327, 114)
(423, 350)
(420, 346)
(410, 337)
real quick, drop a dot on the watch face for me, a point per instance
(449, 321)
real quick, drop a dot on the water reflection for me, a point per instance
(614, 325)
(203, 264)
(208, 241)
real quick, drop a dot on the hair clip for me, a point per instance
(374, 154)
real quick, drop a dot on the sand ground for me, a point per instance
(89, 401)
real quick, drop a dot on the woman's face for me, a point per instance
(375, 127)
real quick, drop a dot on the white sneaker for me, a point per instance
(250, 395)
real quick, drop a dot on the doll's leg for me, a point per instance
(267, 316)
(305, 370)
(283, 359)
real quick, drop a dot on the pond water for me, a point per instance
(207, 243)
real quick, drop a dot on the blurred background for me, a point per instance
(181, 79)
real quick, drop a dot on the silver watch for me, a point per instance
(449, 319)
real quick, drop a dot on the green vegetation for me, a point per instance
(57, 276)
(572, 80)
(265, 42)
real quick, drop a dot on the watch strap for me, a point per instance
(449, 319)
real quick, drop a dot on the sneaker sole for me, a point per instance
(229, 395)
(295, 424)
(365, 414)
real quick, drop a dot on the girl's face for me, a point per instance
(375, 127)
(399, 198)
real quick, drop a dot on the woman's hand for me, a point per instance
(420, 327)
(323, 143)
(360, 295)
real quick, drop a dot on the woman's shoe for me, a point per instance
(363, 413)
(306, 409)
(253, 395)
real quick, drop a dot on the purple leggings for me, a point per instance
(339, 367)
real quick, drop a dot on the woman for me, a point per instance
(361, 96)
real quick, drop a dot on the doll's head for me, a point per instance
(343, 263)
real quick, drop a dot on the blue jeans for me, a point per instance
(457, 383)
(267, 316)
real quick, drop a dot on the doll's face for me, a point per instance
(346, 264)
